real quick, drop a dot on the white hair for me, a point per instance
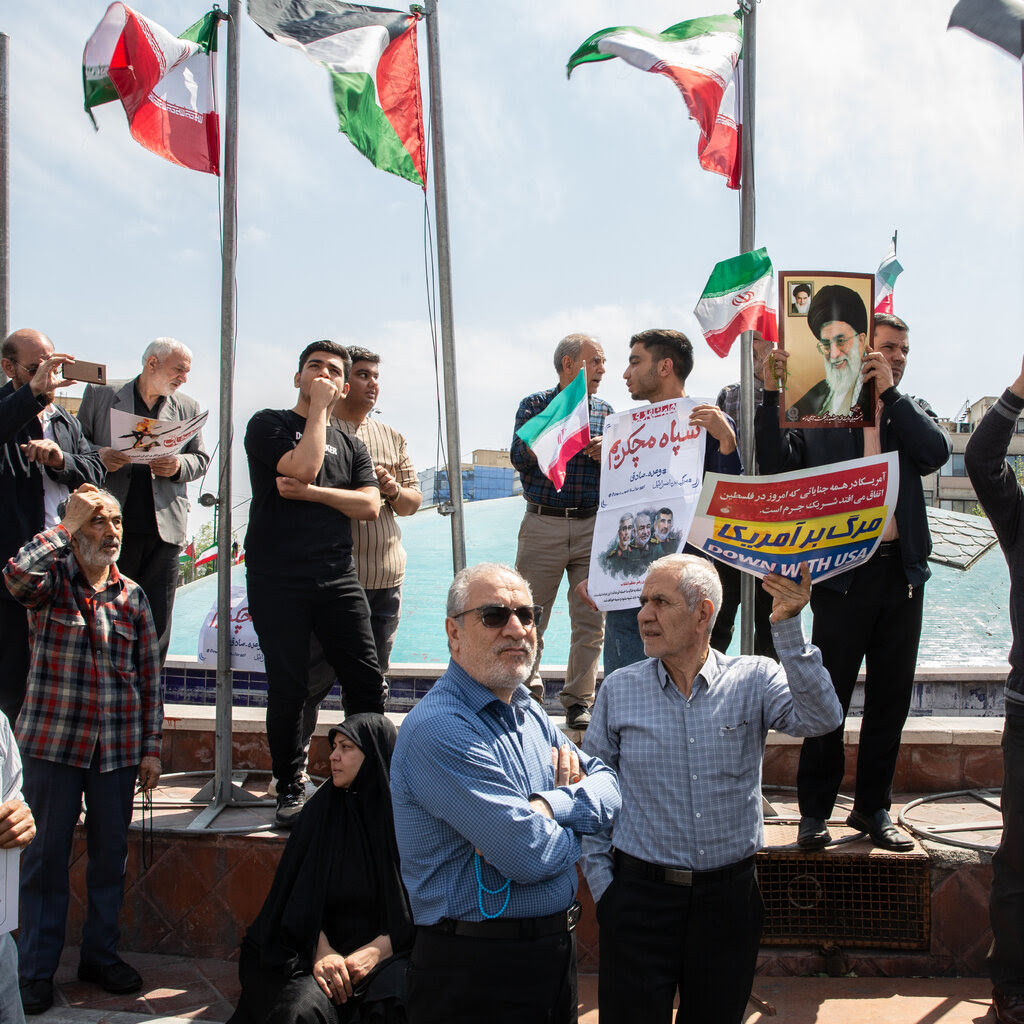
(164, 347)
(458, 592)
(698, 581)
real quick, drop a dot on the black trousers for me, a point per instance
(657, 938)
(286, 613)
(721, 635)
(459, 980)
(877, 621)
(13, 656)
(153, 564)
(1006, 902)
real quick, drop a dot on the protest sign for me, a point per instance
(144, 440)
(651, 472)
(832, 517)
(246, 655)
(826, 328)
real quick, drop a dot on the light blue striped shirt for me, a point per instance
(463, 771)
(690, 769)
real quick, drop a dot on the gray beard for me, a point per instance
(842, 384)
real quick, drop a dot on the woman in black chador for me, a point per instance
(330, 944)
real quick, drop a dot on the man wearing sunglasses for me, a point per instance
(490, 802)
(838, 320)
(44, 455)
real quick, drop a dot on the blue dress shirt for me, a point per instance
(690, 769)
(463, 771)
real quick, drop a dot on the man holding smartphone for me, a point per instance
(152, 496)
(43, 456)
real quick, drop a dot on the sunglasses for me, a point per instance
(495, 616)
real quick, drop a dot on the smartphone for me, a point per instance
(83, 370)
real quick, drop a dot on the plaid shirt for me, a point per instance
(729, 402)
(582, 487)
(94, 677)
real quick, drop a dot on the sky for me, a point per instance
(576, 205)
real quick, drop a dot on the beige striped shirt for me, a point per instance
(377, 547)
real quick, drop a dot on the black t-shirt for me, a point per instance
(300, 538)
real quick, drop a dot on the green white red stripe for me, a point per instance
(885, 279)
(164, 83)
(560, 431)
(370, 53)
(737, 298)
(207, 555)
(702, 58)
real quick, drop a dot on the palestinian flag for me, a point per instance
(370, 53)
(164, 83)
(885, 279)
(207, 555)
(187, 554)
(560, 431)
(702, 57)
(738, 298)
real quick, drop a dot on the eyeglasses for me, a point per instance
(495, 616)
(841, 342)
(30, 370)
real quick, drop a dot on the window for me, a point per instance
(955, 467)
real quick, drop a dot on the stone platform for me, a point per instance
(193, 894)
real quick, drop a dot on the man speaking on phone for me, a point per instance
(43, 457)
(152, 496)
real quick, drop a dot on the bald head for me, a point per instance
(25, 336)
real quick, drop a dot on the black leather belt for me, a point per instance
(679, 876)
(510, 927)
(888, 549)
(562, 513)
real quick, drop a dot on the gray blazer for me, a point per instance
(169, 497)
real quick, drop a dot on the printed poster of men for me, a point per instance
(826, 345)
(653, 465)
(642, 537)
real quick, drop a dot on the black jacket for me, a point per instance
(907, 426)
(21, 481)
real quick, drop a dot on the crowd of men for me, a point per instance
(493, 806)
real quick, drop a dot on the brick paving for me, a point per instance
(183, 989)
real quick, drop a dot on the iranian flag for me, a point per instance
(560, 431)
(885, 279)
(164, 83)
(702, 57)
(370, 53)
(207, 555)
(738, 298)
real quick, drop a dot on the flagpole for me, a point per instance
(5, 193)
(444, 272)
(224, 793)
(747, 219)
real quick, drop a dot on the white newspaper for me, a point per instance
(144, 440)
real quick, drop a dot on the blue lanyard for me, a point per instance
(481, 889)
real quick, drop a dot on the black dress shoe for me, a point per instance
(577, 717)
(36, 994)
(813, 833)
(117, 977)
(881, 829)
(1009, 1008)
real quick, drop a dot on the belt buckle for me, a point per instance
(679, 876)
(573, 915)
